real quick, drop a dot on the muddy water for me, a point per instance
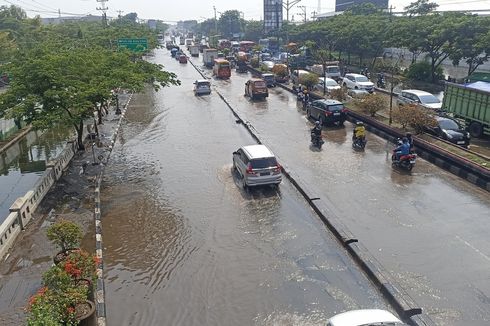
(186, 245)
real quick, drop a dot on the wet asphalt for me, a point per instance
(185, 244)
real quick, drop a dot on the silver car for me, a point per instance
(414, 96)
(257, 165)
(202, 86)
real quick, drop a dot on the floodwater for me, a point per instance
(184, 244)
(23, 163)
(429, 227)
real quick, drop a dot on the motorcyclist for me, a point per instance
(359, 132)
(316, 131)
(381, 80)
(410, 141)
(402, 149)
(306, 98)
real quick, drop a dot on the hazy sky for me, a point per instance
(174, 10)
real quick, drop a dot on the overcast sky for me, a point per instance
(171, 10)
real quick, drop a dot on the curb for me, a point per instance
(401, 301)
(100, 307)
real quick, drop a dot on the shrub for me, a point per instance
(415, 117)
(254, 62)
(280, 70)
(339, 94)
(309, 80)
(65, 234)
(372, 103)
(422, 71)
(81, 264)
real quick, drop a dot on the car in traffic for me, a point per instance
(365, 317)
(202, 86)
(357, 81)
(423, 98)
(182, 58)
(257, 165)
(450, 130)
(268, 64)
(269, 79)
(330, 85)
(327, 112)
(256, 88)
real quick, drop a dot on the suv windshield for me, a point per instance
(259, 84)
(263, 163)
(335, 107)
(332, 70)
(362, 79)
(448, 124)
(428, 99)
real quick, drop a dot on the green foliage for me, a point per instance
(253, 30)
(339, 94)
(65, 234)
(254, 62)
(420, 7)
(309, 80)
(229, 23)
(414, 116)
(422, 71)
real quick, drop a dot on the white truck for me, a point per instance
(194, 50)
(208, 56)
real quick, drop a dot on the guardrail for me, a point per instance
(23, 208)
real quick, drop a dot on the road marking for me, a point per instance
(472, 247)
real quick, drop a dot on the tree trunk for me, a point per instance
(99, 114)
(79, 130)
(348, 58)
(433, 69)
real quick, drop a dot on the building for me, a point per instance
(272, 15)
(343, 5)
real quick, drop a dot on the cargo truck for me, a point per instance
(208, 56)
(194, 50)
(471, 103)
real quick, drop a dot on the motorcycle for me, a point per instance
(359, 143)
(300, 96)
(406, 162)
(316, 140)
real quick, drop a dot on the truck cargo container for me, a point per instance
(208, 56)
(194, 50)
(471, 103)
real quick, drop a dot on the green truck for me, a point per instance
(471, 103)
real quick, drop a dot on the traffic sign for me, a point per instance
(133, 44)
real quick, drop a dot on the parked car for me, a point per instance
(365, 317)
(269, 79)
(414, 96)
(327, 112)
(330, 85)
(268, 64)
(182, 58)
(202, 86)
(256, 88)
(448, 129)
(357, 81)
(257, 165)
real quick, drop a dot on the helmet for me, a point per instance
(405, 140)
(360, 123)
(317, 123)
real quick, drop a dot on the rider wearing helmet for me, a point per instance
(306, 98)
(359, 131)
(402, 149)
(317, 130)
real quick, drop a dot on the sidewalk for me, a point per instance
(71, 198)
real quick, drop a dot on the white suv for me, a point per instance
(414, 96)
(357, 81)
(257, 165)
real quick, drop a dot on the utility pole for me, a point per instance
(104, 9)
(119, 13)
(288, 5)
(215, 21)
(59, 13)
(303, 8)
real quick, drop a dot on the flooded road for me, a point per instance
(186, 245)
(429, 228)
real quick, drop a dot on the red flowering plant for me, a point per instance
(81, 265)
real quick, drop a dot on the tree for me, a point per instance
(364, 9)
(414, 116)
(230, 23)
(420, 8)
(309, 80)
(372, 103)
(253, 30)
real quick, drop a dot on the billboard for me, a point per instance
(272, 15)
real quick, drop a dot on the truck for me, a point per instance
(470, 103)
(194, 50)
(208, 56)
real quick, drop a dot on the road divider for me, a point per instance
(398, 298)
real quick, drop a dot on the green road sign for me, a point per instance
(133, 44)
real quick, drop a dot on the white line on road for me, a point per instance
(472, 247)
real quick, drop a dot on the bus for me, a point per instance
(221, 68)
(246, 46)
